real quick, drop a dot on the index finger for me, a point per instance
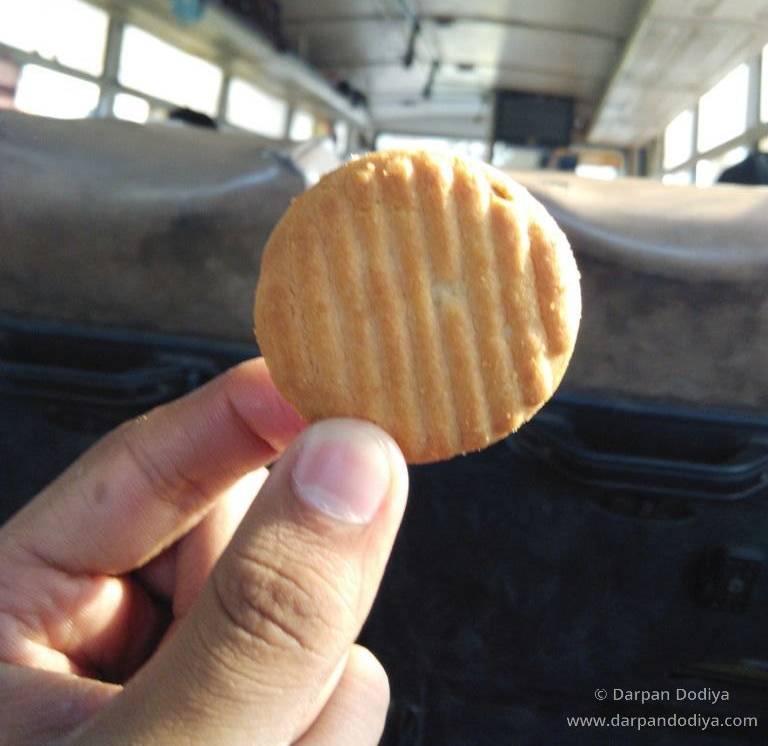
(151, 480)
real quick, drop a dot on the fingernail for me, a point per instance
(343, 470)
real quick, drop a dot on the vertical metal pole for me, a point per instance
(109, 82)
(289, 121)
(753, 99)
(221, 104)
(695, 136)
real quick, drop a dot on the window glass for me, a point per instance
(341, 134)
(723, 109)
(393, 141)
(72, 32)
(131, 108)
(597, 171)
(678, 140)
(253, 109)
(302, 125)
(152, 66)
(515, 157)
(52, 94)
(764, 85)
(679, 178)
(708, 170)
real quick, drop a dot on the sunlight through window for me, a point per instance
(678, 140)
(131, 108)
(677, 178)
(764, 85)
(51, 94)
(597, 171)
(153, 66)
(723, 109)
(468, 148)
(708, 170)
(72, 32)
(253, 109)
(302, 125)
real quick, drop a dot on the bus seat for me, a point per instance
(674, 287)
(150, 227)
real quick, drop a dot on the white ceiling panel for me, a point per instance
(593, 17)
(465, 116)
(581, 88)
(394, 80)
(348, 43)
(674, 51)
(738, 12)
(563, 47)
(493, 44)
(294, 10)
(680, 49)
(388, 79)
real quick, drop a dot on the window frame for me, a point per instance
(110, 86)
(756, 128)
(53, 62)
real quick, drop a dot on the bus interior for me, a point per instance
(147, 150)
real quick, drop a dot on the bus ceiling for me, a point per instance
(432, 65)
(591, 72)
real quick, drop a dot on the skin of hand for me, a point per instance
(167, 589)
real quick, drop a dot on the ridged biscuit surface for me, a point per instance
(429, 294)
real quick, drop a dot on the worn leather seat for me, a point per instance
(674, 283)
(162, 228)
(156, 227)
(679, 231)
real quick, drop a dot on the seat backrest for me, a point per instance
(674, 283)
(149, 227)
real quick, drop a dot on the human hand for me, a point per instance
(217, 621)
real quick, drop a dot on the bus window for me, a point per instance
(764, 85)
(678, 139)
(53, 94)
(723, 109)
(151, 65)
(256, 110)
(131, 108)
(677, 178)
(394, 141)
(302, 125)
(73, 32)
(708, 170)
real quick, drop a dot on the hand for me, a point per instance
(216, 621)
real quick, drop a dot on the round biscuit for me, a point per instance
(430, 294)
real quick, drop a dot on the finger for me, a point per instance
(199, 553)
(357, 710)
(178, 574)
(116, 637)
(260, 651)
(40, 706)
(98, 626)
(148, 482)
(108, 626)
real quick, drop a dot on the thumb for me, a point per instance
(263, 646)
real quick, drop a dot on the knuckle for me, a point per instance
(282, 607)
(162, 476)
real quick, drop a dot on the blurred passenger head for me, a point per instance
(192, 117)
